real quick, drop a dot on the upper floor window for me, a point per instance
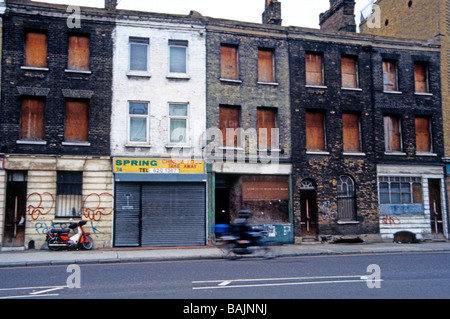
(266, 122)
(315, 131)
(349, 67)
(138, 122)
(266, 70)
(314, 69)
(390, 77)
(229, 62)
(178, 56)
(392, 133)
(79, 52)
(351, 132)
(421, 77)
(32, 119)
(36, 49)
(178, 117)
(77, 121)
(139, 54)
(423, 134)
(229, 122)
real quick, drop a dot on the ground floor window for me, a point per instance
(400, 190)
(69, 194)
(346, 198)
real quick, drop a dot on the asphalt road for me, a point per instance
(393, 276)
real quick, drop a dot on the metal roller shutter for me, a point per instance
(127, 214)
(173, 214)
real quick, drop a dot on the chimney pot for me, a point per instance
(110, 5)
(272, 13)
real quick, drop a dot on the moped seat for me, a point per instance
(60, 231)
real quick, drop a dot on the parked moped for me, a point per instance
(59, 238)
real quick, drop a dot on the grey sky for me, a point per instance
(304, 13)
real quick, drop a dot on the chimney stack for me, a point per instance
(340, 16)
(272, 12)
(110, 5)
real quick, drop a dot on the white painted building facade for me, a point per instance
(159, 109)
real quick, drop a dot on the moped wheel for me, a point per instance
(52, 241)
(89, 244)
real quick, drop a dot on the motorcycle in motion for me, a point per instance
(240, 238)
(59, 238)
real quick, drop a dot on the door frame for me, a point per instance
(308, 210)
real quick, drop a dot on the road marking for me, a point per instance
(47, 290)
(291, 281)
(41, 291)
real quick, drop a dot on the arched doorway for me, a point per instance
(308, 207)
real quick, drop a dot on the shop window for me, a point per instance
(266, 70)
(178, 56)
(138, 122)
(400, 190)
(392, 134)
(390, 81)
(229, 62)
(314, 69)
(178, 114)
(77, 121)
(351, 132)
(349, 66)
(423, 134)
(266, 118)
(315, 131)
(346, 199)
(229, 118)
(69, 194)
(421, 77)
(36, 49)
(139, 54)
(79, 52)
(32, 124)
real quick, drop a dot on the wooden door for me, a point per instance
(434, 189)
(308, 206)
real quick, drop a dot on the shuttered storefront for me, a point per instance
(160, 214)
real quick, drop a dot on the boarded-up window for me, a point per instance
(314, 69)
(389, 76)
(349, 66)
(229, 118)
(229, 62)
(266, 122)
(351, 132)
(392, 134)
(79, 52)
(32, 125)
(423, 134)
(315, 131)
(421, 77)
(36, 49)
(266, 65)
(267, 197)
(77, 121)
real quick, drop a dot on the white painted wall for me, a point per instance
(156, 88)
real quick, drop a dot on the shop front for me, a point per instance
(159, 202)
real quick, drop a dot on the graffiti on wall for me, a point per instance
(390, 220)
(35, 211)
(44, 228)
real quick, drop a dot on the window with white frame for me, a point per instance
(139, 54)
(178, 56)
(400, 190)
(178, 122)
(138, 122)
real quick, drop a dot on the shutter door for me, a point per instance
(173, 214)
(127, 215)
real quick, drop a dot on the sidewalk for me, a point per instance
(116, 255)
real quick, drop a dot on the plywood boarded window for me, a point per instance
(229, 118)
(79, 52)
(229, 62)
(266, 122)
(421, 77)
(77, 121)
(392, 134)
(36, 49)
(314, 69)
(423, 134)
(351, 132)
(32, 124)
(349, 66)
(390, 75)
(315, 131)
(266, 69)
